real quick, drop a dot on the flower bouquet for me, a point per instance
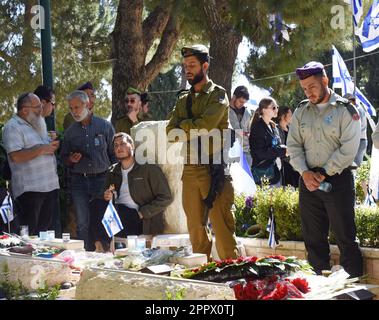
(248, 268)
(271, 288)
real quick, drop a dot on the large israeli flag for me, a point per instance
(343, 80)
(368, 32)
(357, 9)
(243, 182)
(6, 210)
(111, 221)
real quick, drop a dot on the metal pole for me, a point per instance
(47, 59)
(354, 57)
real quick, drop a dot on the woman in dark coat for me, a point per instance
(265, 143)
(283, 120)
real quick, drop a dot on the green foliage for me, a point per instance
(361, 179)
(285, 202)
(175, 294)
(367, 223)
(46, 293)
(244, 215)
(12, 290)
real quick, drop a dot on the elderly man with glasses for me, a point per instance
(33, 164)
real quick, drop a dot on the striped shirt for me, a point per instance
(36, 175)
(94, 142)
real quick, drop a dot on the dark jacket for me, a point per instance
(265, 144)
(148, 188)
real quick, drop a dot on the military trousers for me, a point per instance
(320, 211)
(196, 183)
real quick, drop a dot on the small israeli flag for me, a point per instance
(6, 209)
(111, 221)
(368, 32)
(270, 228)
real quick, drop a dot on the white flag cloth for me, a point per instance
(368, 32)
(111, 221)
(6, 209)
(243, 182)
(343, 80)
(357, 8)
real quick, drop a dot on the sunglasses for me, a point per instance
(130, 100)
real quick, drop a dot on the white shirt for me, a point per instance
(124, 195)
(35, 175)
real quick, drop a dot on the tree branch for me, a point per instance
(165, 48)
(154, 25)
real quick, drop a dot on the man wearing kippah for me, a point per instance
(322, 142)
(90, 91)
(204, 108)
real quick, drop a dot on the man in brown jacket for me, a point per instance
(140, 192)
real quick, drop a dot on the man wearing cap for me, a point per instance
(88, 152)
(204, 106)
(322, 142)
(134, 107)
(363, 142)
(240, 118)
(90, 91)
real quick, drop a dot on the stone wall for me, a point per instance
(175, 219)
(260, 247)
(33, 273)
(97, 284)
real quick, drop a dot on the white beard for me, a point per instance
(84, 115)
(38, 123)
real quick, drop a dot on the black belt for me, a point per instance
(88, 175)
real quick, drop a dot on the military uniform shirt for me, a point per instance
(328, 139)
(209, 109)
(375, 137)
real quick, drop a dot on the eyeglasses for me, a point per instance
(130, 100)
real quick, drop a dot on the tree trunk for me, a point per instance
(132, 38)
(224, 42)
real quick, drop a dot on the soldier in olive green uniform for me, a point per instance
(322, 142)
(134, 105)
(204, 106)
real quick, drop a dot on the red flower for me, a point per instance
(301, 284)
(251, 259)
(238, 291)
(251, 292)
(293, 292)
(4, 237)
(279, 293)
(240, 259)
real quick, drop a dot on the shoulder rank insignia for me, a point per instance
(352, 109)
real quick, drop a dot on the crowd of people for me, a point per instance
(321, 141)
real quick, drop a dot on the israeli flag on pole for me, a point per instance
(343, 80)
(111, 221)
(6, 209)
(272, 242)
(243, 182)
(357, 8)
(368, 32)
